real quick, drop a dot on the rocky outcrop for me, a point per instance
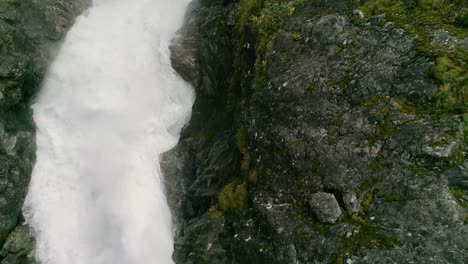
(331, 98)
(29, 35)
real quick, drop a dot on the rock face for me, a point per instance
(19, 247)
(298, 99)
(29, 34)
(325, 207)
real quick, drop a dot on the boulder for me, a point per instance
(325, 207)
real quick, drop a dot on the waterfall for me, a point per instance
(109, 106)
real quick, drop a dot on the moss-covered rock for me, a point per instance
(363, 100)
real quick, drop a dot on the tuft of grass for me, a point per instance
(233, 199)
(242, 145)
(253, 177)
(214, 214)
(458, 194)
(446, 71)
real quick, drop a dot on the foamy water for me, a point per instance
(110, 104)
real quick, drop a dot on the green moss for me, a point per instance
(461, 20)
(375, 101)
(420, 171)
(295, 144)
(311, 89)
(385, 129)
(406, 106)
(253, 177)
(453, 97)
(367, 185)
(367, 201)
(233, 199)
(245, 164)
(466, 219)
(242, 145)
(383, 111)
(269, 17)
(446, 71)
(296, 36)
(457, 193)
(331, 82)
(458, 155)
(450, 69)
(367, 237)
(315, 165)
(331, 129)
(373, 8)
(242, 139)
(431, 4)
(246, 9)
(396, 197)
(14, 3)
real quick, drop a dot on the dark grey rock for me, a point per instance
(441, 37)
(325, 207)
(28, 32)
(351, 201)
(19, 246)
(359, 13)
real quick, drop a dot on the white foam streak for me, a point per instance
(108, 108)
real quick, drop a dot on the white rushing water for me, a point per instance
(110, 104)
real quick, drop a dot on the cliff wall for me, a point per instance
(323, 132)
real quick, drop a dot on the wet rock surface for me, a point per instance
(29, 35)
(342, 113)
